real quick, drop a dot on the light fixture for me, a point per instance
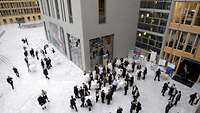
(145, 33)
(139, 34)
(147, 14)
(142, 16)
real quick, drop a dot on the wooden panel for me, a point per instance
(185, 27)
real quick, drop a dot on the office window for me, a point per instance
(70, 11)
(52, 8)
(197, 20)
(102, 12)
(63, 10)
(48, 8)
(57, 9)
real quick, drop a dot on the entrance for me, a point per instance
(74, 50)
(101, 50)
(189, 70)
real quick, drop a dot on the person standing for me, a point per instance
(42, 64)
(81, 92)
(119, 110)
(45, 72)
(139, 74)
(102, 96)
(76, 91)
(108, 97)
(25, 53)
(192, 98)
(89, 104)
(133, 106)
(73, 103)
(158, 72)
(32, 52)
(97, 95)
(27, 63)
(139, 107)
(10, 81)
(83, 101)
(171, 90)
(178, 97)
(44, 95)
(144, 73)
(125, 88)
(36, 54)
(164, 88)
(16, 71)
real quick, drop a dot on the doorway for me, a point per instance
(189, 70)
(101, 50)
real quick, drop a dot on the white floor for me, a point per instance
(63, 77)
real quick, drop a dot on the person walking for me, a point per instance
(164, 88)
(144, 73)
(73, 103)
(102, 96)
(158, 72)
(178, 97)
(45, 72)
(10, 81)
(16, 71)
(192, 98)
(168, 107)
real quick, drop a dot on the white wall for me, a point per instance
(74, 29)
(121, 20)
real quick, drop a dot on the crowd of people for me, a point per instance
(104, 80)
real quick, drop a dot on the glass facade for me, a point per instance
(156, 4)
(153, 18)
(184, 13)
(149, 41)
(178, 40)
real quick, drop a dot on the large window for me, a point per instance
(48, 8)
(197, 20)
(184, 12)
(57, 9)
(63, 10)
(190, 42)
(102, 12)
(181, 41)
(70, 11)
(52, 8)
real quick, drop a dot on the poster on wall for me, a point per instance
(57, 36)
(153, 56)
(161, 62)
